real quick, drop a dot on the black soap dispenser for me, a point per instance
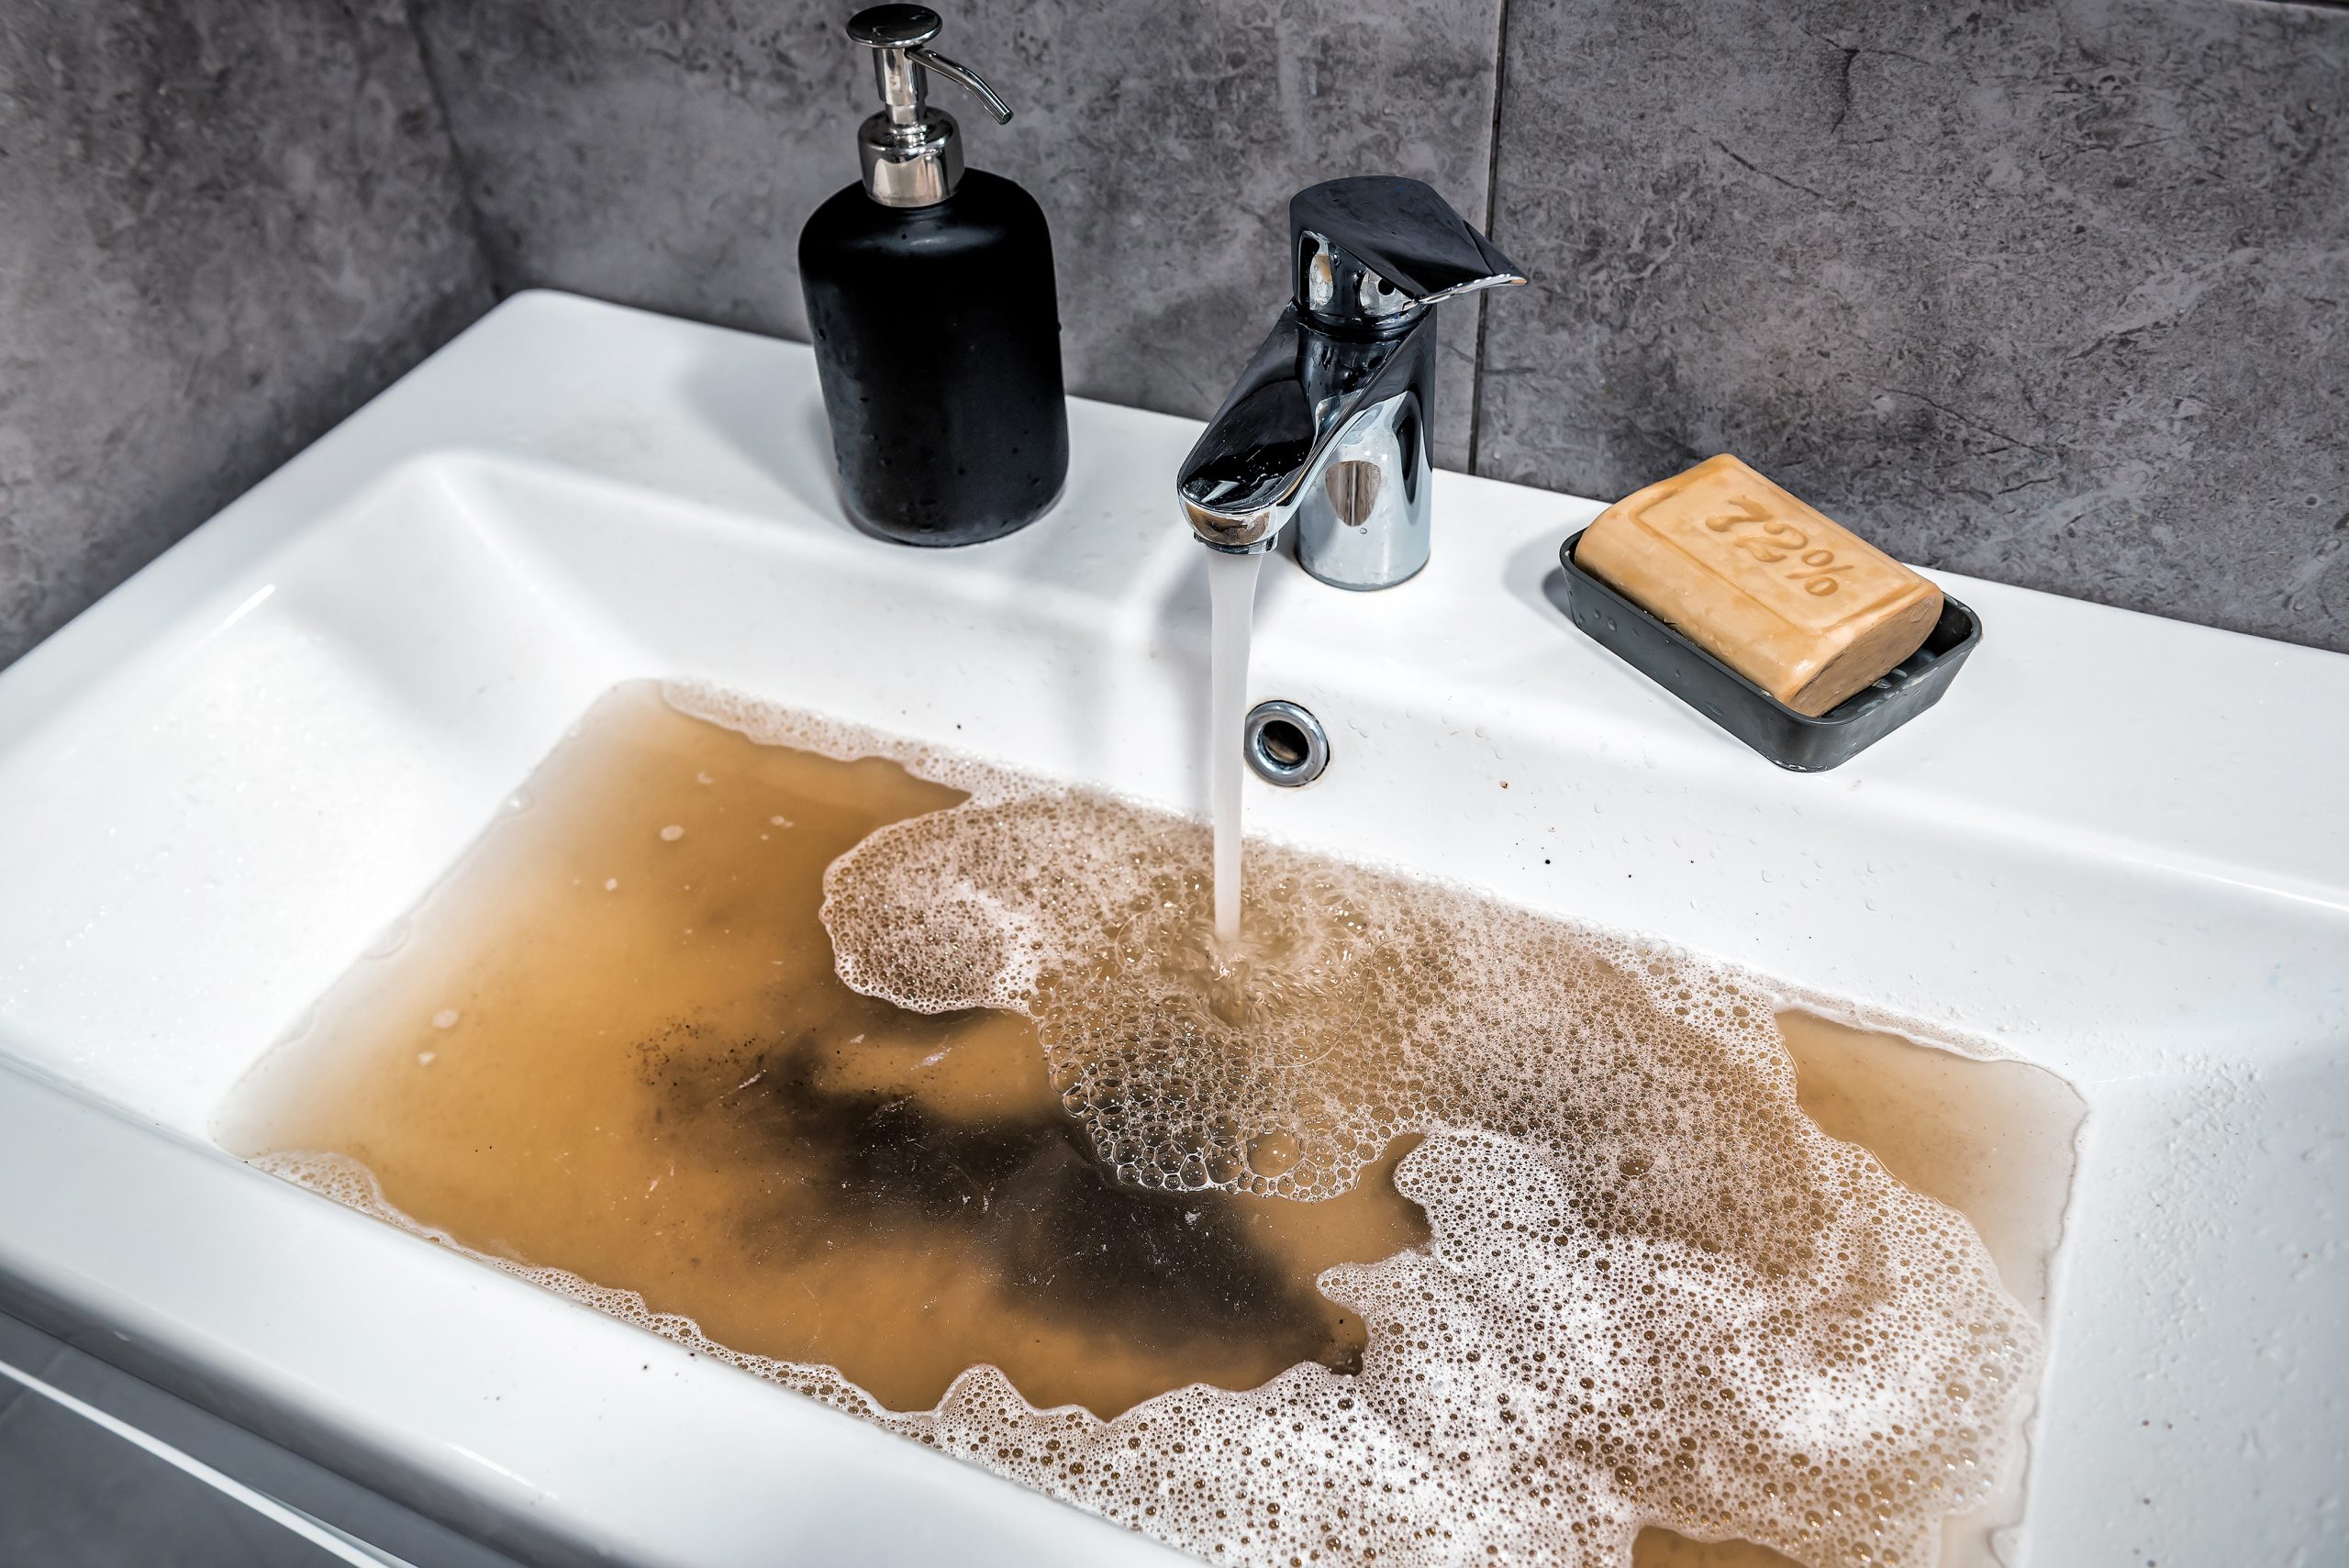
(935, 317)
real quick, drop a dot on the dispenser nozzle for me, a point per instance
(897, 36)
(912, 153)
(929, 59)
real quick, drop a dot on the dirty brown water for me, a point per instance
(1992, 1140)
(613, 1051)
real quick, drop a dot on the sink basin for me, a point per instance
(2116, 849)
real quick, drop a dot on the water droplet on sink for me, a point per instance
(390, 939)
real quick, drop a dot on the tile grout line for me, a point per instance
(317, 1533)
(467, 191)
(1492, 208)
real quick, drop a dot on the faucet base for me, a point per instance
(1363, 522)
(1359, 587)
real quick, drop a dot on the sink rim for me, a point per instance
(457, 428)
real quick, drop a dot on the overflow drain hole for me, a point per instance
(1284, 744)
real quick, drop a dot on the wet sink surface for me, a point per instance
(218, 787)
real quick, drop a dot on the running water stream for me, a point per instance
(1232, 598)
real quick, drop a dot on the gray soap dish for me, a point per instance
(1793, 740)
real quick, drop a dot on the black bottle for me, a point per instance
(936, 322)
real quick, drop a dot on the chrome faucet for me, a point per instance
(1330, 422)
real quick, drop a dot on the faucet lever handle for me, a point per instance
(1375, 246)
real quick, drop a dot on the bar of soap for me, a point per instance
(1790, 599)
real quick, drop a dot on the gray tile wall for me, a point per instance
(223, 224)
(665, 154)
(2051, 291)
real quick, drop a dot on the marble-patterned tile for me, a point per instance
(223, 225)
(2054, 292)
(666, 155)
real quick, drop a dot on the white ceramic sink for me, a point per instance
(2119, 848)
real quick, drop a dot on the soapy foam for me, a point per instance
(1655, 1292)
(987, 782)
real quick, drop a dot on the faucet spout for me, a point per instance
(1330, 425)
(1315, 421)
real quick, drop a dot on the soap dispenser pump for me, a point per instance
(935, 317)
